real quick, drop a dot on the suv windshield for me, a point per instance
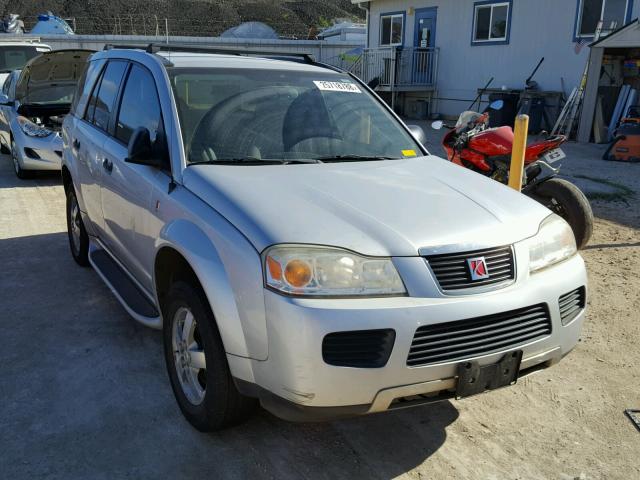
(16, 57)
(259, 115)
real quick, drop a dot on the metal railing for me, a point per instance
(339, 54)
(393, 67)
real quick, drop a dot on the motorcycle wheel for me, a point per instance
(568, 201)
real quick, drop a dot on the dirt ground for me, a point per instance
(84, 393)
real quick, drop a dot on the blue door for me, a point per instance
(424, 40)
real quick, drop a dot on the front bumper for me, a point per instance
(39, 153)
(295, 383)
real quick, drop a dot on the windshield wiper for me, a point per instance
(254, 161)
(355, 158)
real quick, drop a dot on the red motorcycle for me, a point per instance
(472, 144)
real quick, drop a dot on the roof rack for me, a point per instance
(177, 47)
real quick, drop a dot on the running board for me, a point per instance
(125, 289)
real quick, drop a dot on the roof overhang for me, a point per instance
(627, 36)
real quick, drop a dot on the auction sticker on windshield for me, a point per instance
(337, 86)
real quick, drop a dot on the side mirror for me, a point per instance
(5, 102)
(140, 149)
(418, 133)
(437, 125)
(497, 105)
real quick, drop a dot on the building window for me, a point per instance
(613, 13)
(391, 29)
(491, 22)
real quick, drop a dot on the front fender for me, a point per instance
(230, 272)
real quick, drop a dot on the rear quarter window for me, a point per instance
(102, 102)
(85, 86)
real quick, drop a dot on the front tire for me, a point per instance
(78, 238)
(197, 363)
(21, 173)
(568, 201)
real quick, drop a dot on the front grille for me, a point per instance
(464, 339)
(571, 304)
(358, 348)
(453, 273)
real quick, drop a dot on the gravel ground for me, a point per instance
(84, 393)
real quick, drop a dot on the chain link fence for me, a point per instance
(295, 19)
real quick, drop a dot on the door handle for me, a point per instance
(107, 165)
(76, 144)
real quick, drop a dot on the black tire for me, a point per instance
(222, 405)
(21, 173)
(77, 234)
(568, 201)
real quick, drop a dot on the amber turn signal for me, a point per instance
(275, 270)
(297, 273)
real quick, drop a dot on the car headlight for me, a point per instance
(553, 243)
(33, 130)
(326, 271)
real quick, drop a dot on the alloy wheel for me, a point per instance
(188, 355)
(75, 223)
(14, 157)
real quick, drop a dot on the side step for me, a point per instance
(128, 293)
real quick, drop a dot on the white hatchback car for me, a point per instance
(298, 245)
(33, 104)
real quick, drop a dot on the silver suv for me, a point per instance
(298, 245)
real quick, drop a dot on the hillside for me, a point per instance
(290, 18)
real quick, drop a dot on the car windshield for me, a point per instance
(234, 115)
(15, 57)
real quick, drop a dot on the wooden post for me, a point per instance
(518, 151)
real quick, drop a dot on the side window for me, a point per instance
(491, 22)
(85, 86)
(91, 103)
(140, 106)
(7, 85)
(391, 30)
(12, 86)
(101, 105)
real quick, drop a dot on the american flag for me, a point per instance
(577, 47)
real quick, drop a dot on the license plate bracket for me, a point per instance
(474, 378)
(554, 155)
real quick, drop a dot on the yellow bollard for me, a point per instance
(517, 154)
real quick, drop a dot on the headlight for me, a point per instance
(33, 130)
(553, 243)
(325, 271)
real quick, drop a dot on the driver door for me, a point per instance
(129, 190)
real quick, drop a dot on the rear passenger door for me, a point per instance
(128, 189)
(89, 135)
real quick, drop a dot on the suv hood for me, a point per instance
(51, 69)
(377, 208)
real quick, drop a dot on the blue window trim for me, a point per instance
(577, 38)
(404, 27)
(476, 43)
(415, 30)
